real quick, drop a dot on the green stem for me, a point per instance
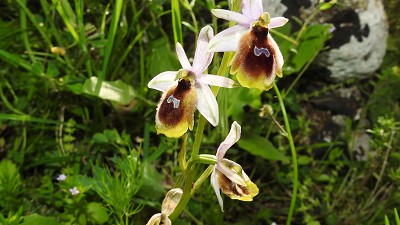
(187, 191)
(294, 156)
(190, 171)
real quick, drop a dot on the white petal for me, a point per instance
(183, 59)
(227, 40)
(215, 185)
(163, 81)
(202, 58)
(207, 104)
(234, 177)
(232, 16)
(215, 80)
(277, 22)
(252, 9)
(232, 138)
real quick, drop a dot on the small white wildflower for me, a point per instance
(74, 191)
(61, 177)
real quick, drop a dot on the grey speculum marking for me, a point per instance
(259, 51)
(174, 100)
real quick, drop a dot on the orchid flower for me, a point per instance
(187, 89)
(258, 57)
(229, 176)
(169, 204)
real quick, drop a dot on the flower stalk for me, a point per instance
(294, 155)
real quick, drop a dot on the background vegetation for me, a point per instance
(74, 100)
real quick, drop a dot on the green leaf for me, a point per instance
(97, 212)
(240, 98)
(259, 146)
(37, 68)
(152, 183)
(304, 160)
(35, 219)
(160, 52)
(52, 69)
(314, 222)
(326, 5)
(117, 91)
(387, 220)
(311, 42)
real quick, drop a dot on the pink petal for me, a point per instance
(215, 80)
(183, 59)
(202, 58)
(163, 81)
(252, 9)
(232, 16)
(207, 104)
(215, 185)
(232, 138)
(277, 22)
(227, 40)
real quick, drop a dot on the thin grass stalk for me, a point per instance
(294, 156)
(110, 42)
(82, 35)
(176, 21)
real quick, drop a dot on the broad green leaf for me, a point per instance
(259, 146)
(304, 160)
(151, 183)
(160, 58)
(97, 212)
(35, 219)
(117, 91)
(52, 69)
(311, 42)
(37, 68)
(240, 98)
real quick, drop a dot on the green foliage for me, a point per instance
(10, 185)
(109, 188)
(74, 100)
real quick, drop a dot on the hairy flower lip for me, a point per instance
(205, 102)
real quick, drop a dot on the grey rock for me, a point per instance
(359, 36)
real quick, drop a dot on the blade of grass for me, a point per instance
(15, 60)
(176, 21)
(7, 103)
(31, 17)
(66, 13)
(82, 36)
(132, 43)
(110, 41)
(25, 39)
(141, 50)
(28, 118)
(55, 33)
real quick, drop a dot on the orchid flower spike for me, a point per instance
(187, 89)
(229, 176)
(258, 57)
